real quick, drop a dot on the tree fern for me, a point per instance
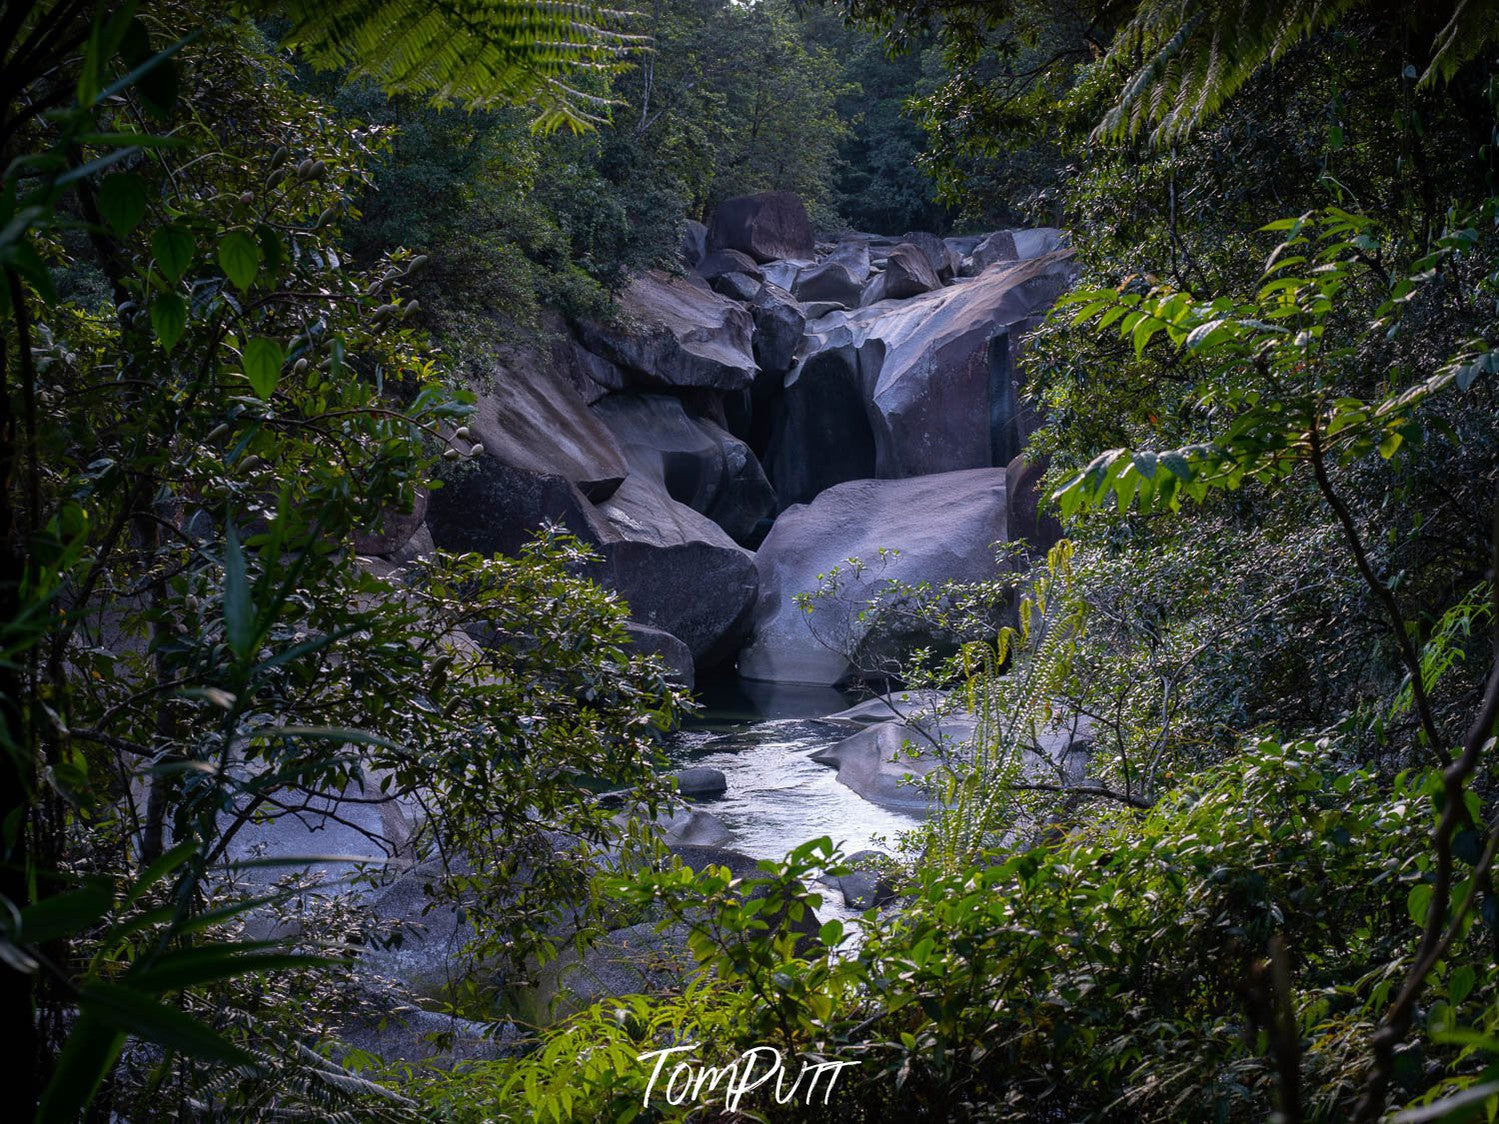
(1010, 711)
(1185, 58)
(477, 52)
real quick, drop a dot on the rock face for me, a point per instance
(537, 421)
(839, 278)
(673, 653)
(720, 262)
(908, 273)
(676, 334)
(943, 525)
(766, 227)
(694, 243)
(939, 256)
(910, 388)
(882, 763)
(698, 463)
(394, 529)
(491, 507)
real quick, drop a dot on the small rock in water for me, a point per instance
(701, 781)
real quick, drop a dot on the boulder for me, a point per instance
(673, 653)
(767, 226)
(694, 244)
(870, 883)
(884, 763)
(537, 421)
(720, 262)
(935, 375)
(672, 333)
(943, 525)
(779, 324)
(783, 274)
(678, 571)
(736, 286)
(838, 278)
(637, 960)
(491, 507)
(693, 827)
(907, 273)
(1029, 523)
(939, 256)
(888, 707)
(392, 530)
(701, 781)
(997, 247)
(698, 463)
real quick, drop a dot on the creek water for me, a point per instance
(762, 738)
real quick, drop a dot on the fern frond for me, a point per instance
(479, 53)
(1182, 60)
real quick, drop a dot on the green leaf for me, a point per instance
(122, 202)
(169, 319)
(239, 612)
(193, 967)
(173, 248)
(263, 359)
(1390, 443)
(86, 1057)
(1460, 983)
(147, 1017)
(65, 914)
(239, 257)
(1418, 902)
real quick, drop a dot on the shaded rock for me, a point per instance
(908, 273)
(779, 324)
(720, 262)
(816, 310)
(997, 247)
(869, 885)
(944, 262)
(538, 422)
(673, 653)
(943, 525)
(399, 1032)
(673, 333)
(694, 245)
(839, 278)
(736, 286)
(783, 274)
(1028, 522)
(636, 960)
(492, 507)
(935, 374)
(696, 462)
(1034, 242)
(592, 376)
(419, 545)
(393, 529)
(767, 226)
(679, 571)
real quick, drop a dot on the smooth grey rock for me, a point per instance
(996, 248)
(392, 529)
(885, 762)
(719, 262)
(695, 461)
(693, 827)
(636, 960)
(944, 526)
(783, 274)
(767, 226)
(400, 1032)
(736, 286)
(888, 708)
(673, 333)
(779, 324)
(1030, 522)
(694, 244)
(838, 278)
(907, 273)
(673, 653)
(939, 256)
(538, 422)
(935, 374)
(699, 780)
(419, 545)
(678, 571)
(492, 507)
(816, 310)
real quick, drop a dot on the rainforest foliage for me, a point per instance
(251, 261)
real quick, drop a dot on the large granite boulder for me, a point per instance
(674, 655)
(767, 226)
(779, 324)
(838, 278)
(912, 387)
(698, 463)
(885, 763)
(694, 244)
(943, 525)
(537, 421)
(944, 262)
(492, 507)
(676, 332)
(1030, 521)
(678, 571)
(720, 262)
(907, 273)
